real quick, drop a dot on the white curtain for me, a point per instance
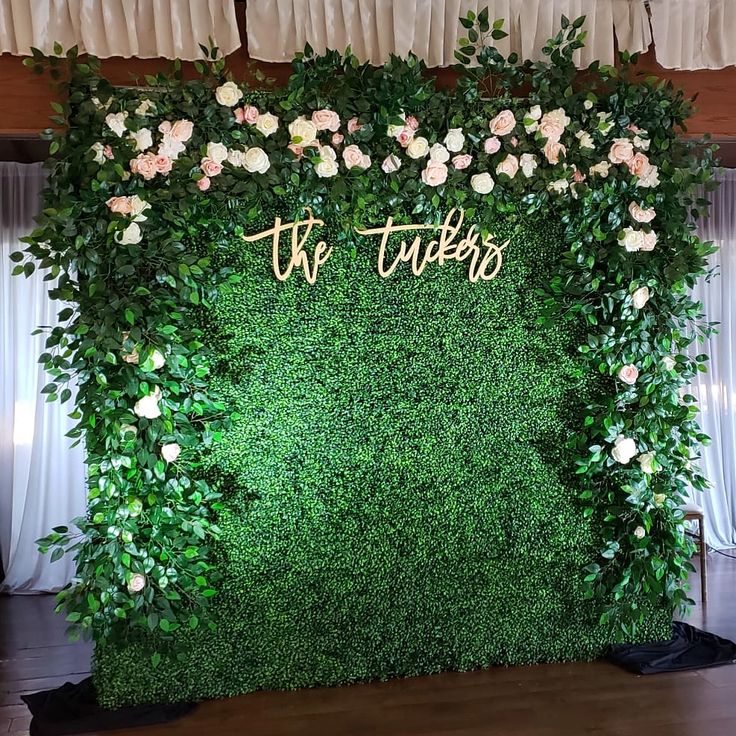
(716, 389)
(142, 28)
(430, 28)
(42, 480)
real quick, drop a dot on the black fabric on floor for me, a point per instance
(688, 649)
(73, 708)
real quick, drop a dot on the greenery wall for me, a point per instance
(291, 484)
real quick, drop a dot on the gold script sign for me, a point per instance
(484, 255)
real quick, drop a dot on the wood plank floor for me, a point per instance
(583, 699)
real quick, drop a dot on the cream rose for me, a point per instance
(641, 143)
(157, 359)
(143, 138)
(553, 150)
(462, 161)
(669, 363)
(148, 406)
(209, 167)
(454, 140)
(216, 151)
(601, 169)
(144, 107)
(418, 148)
(267, 124)
(302, 131)
(640, 297)
(621, 151)
(631, 239)
(435, 173)
(588, 104)
(509, 166)
(116, 122)
(228, 94)
(585, 139)
(528, 164)
(503, 123)
(641, 214)
(170, 451)
(256, 161)
(482, 183)
(535, 112)
(439, 153)
(648, 241)
(327, 165)
(628, 374)
(640, 532)
(236, 157)
(137, 583)
(558, 186)
(130, 236)
(326, 120)
(128, 429)
(646, 462)
(624, 449)
(390, 164)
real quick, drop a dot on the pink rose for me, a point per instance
(353, 125)
(250, 114)
(412, 122)
(390, 164)
(462, 161)
(107, 152)
(405, 137)
(628, 374)
(296, 149)
(435, 173)
(553, 150)
(492, 145)
(578, 176)
(641, 214)
(552, 130)
(509, 166)
(354, 157)
(503, 123)
(514, 141)
(648, 240)
(622, 151)
(326, 120)
(639, 164)
(144, 165)
(182, 130)
(239, 115)
(210, 167)
(165, 127)
(162, 163)
(634, 128)
(120, 205)
(337, 139)
(203, 184)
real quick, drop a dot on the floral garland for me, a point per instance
(127, 182)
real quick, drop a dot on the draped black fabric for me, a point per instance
(73, 708)
(688, 649)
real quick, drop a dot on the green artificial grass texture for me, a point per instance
(398, 496)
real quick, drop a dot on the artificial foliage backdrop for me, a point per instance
(293, 483)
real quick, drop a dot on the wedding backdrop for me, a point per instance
(373, 379)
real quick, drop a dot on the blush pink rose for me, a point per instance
(250, 114)
(641, 214)
(552, 129)
(411, 122)
(296, 149)
(553, 150)
(639, 164)
(503, 123)
(337, 139)
(405, 137)
(120, 205)
(239, 114)
(354, 157)
(326, 120)
(628, 374)
(210, 167)
(622, 151)
(144, 165)
(578, 176)
(634, 128)
(107, 152)
(162, 163)
(203, 184)
(353, 125)
(165, 127)
(509, 166)
(435, 173)
(492, 145)
(462, 161)
(182, 130)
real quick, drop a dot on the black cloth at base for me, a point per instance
(688, 649)
(73, 708)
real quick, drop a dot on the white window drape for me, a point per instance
(142, 28)
(42, 480)
(716, 389)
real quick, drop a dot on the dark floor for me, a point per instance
(595, 699)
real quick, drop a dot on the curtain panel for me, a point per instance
(141, 28)
(42, 480)
(430, 29)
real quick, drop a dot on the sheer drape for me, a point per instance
(716, 390)
(42, 480)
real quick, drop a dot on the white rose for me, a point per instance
(601, 169)
(143, 139)
(256, 161)
(531, 127)
(137, 207)
(585, 139)
(535, 112)
(641, 214)
(236, 157)
(267, 123)
(327, 165)
(482, 183)
(391, 163)
(454, 140)
(439, 153)
(217, 152)
(649, 179)
(137, 583)
(669, 363)
(588, 104)
(228, 94)
(528, 163)
(640, 297)
(418, 148)
(158, 360)
(99, 149)
(640, 532)
(170, 452)
(604, 124)
(646, 461)
(145, 106)
(641, 143)
(558, 186)
(116, 122)
(624, 449)
(170, 147)
(128, 428)
(148, 406)
(302, 131)
(129, 236)
(631, 239)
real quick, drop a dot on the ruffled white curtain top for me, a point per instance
(142, 28)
